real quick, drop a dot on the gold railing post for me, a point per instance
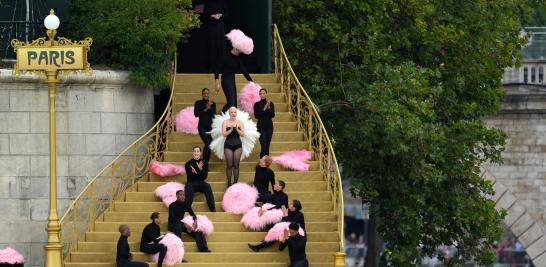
(310, 126)
(93, 199)
(112, 187)
(321, 152)
(339, 259)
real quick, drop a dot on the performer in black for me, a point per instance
(177, 210)
(151, 235)
(264, 111)
(205, 109)
(279, 198)
(215, 12)
(262, 178)
(229, 65)
(296, 246)
(197, 172)
(293, 214)
(123, 255)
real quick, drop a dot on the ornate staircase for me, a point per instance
(122, 193)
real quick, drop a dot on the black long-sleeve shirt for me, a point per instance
(295, 216)
(215, 7)
(262, 178)
(205, 117)
(229, 65)
(265, 117)
(150, 234)
(123, 250)
(200, 175)
(177, 210)
(296, 247)
(279, 199)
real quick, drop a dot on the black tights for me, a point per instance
(233, 157)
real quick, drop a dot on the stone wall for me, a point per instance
(98, 115)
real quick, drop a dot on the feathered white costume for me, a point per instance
(218, 139)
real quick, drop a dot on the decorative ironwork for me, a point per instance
(120, 175)
(310, 123)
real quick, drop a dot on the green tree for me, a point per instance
(417, 77)
(139, 36)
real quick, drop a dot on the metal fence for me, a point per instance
(22, 30)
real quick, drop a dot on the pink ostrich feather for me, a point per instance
(204, 225)
(165, 169)
(277, 232)
(239, 198)
(253, 221)
(167, 192)
(240, 41)
(294, 160)
(186, 122)
(11, 256)
(249, 95)
(175, 250)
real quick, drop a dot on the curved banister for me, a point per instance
(120, 174)
(309, 121)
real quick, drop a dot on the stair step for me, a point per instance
(192, 96)
(277, 135)
(201, 206)
(197, 264)
(244, 166)
(199, 197)
(279, 116)
(221, 186)
(142, 216)
(177, 106)
(215, 237)
(195, 88)
(137, 227)
(192, 78)
(277, 147)
(247, 177)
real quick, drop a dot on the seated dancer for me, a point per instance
(293, 215)
(279, 198)
(262, 178)
(205, 109)
(296, 246)
(197, 172)
(151, 235)
(177, 210)
(123, 255)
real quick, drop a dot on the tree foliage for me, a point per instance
(416, 76)
(139, 36)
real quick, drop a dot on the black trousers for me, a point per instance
(207, 139)
(265, 244)
(266, 134)
(178, 228)
(202, 187)
(299, 263)
(230, 91)
(264, 197)
(125, 263)
(216, 42)
(153, 249)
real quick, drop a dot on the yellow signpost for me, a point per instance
(52, 56)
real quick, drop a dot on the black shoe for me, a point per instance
(184, 260)
(206, 250)
(253, 248)
(213, 210)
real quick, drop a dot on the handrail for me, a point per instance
(309, 121)
(112, 181)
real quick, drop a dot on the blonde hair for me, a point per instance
(232, 108)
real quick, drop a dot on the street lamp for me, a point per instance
(52, 56)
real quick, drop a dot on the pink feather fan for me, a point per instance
(175, 250)
(11, 256)
(250, 94)
(239, 198)
(277, 232)
(204, 225)
(167, 192)
(253, 221)
(165, 169)
(186, 122)
(294, 160)
(240, 41)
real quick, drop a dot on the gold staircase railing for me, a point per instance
(310, 123)
(120, 175)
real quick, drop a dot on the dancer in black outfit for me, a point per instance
(293, 214)
(151, 235)
(296, 246)
(123, 255)
(233, 130)
(215, 12)
(279, 198)
(229, 65)
(197, 172)
(264, 111)
(205, 109)
(177, 210)
(262, 178)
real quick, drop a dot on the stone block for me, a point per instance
(537, 248)
(39, 209)
(499, 190)
(37, 254)
(15, 165)
(133, 100)
(15, 122)
(29, 144)
(90, 98)
(513, 214)
(14, 209)
(115, 123)
(83, 122)
(8, 187)
(505, 201)
(100, 144)
(33, 187)
(39, 122)
(71, 144)
(123, 141)
(522, 224)
(139, 123)
(29, 100)
(4, 144)
(4, 100)
(39, 166)
(531, 235)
